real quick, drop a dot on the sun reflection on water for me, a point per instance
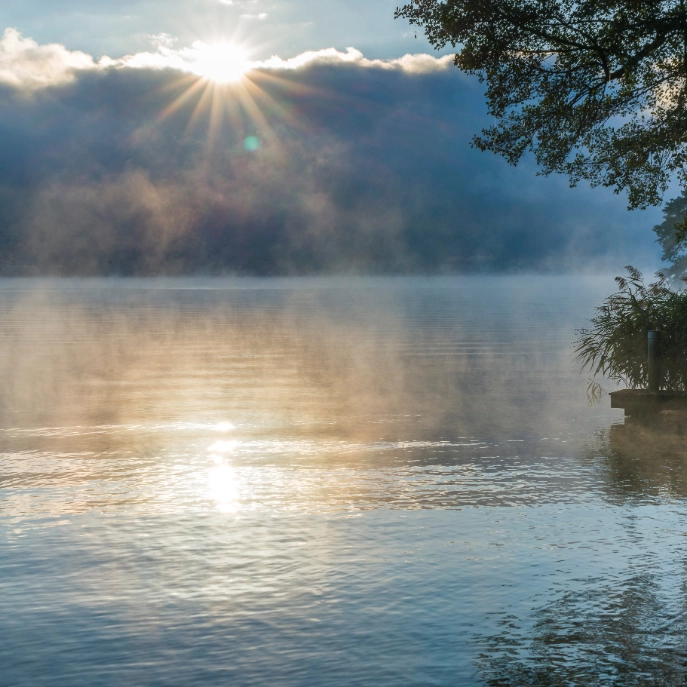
(224, 488)
(223, 446)
(222, 480)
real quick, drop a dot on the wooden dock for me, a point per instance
(642, 402)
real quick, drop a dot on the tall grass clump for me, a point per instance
(615, 346)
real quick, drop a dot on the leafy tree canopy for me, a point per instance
(596, 89)
(672, 235)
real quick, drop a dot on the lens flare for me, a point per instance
(252, 144)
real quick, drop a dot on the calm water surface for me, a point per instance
(352, 482)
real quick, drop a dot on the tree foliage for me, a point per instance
(616, 344)
(596, 89)
(672, 235)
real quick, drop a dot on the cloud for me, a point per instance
(162, 40)
(187, 58)
(328, 162)
(414, 64)
(25, 64)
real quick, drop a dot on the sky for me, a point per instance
(264, 137)
(271, 27)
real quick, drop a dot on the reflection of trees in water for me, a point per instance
(604, 635)
(624, 630)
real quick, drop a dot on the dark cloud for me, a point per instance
(348, 167)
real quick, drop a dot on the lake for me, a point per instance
(328, 482)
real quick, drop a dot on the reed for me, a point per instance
(615, 346)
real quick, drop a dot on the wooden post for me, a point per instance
(653, 360)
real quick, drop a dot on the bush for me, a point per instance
(616, 344)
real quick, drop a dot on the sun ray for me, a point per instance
(257, 116)
(181, 100)
(202, 105)
(215, 116)
(222, 88)
(234, 112)
(278, 109)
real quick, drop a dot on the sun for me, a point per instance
(219, 62)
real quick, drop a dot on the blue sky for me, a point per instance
(271, 27)
(262, 137)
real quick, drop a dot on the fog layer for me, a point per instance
(327, 164)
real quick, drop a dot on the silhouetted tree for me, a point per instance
(596, 89)
(672, 235)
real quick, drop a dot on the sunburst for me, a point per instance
(220, 86)
(223, 88)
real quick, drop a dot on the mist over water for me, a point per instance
(335, 167)
(346, 482)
